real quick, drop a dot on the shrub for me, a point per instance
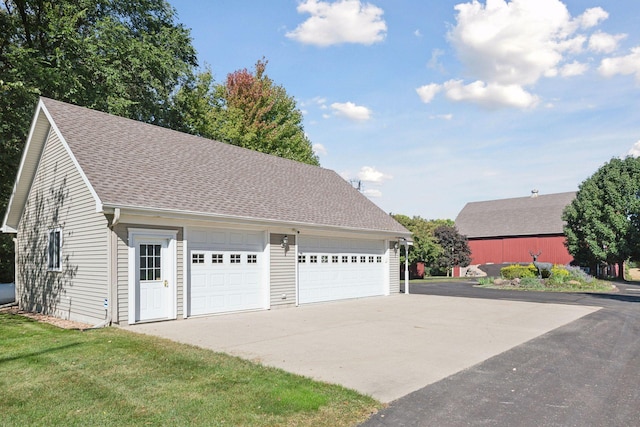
(576, 273)
(516, 271)
(558, 275)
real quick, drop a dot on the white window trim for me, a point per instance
(58, 248)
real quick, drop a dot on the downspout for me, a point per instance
(406, 266)
(297, 274)
(110, 271)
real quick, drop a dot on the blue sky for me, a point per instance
(433, 104)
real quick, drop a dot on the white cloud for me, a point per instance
(573, 69)
(417, 33)
(592, 17)
(372, 192)
(490, 95)
(635, 150)
(428, 92)
(351, 111)
(319, 149)
(369, 174)
(510, 43)
(604, 43)
(625, 65)
(344, 21)
(508, 46)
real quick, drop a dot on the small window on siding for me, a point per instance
(216, 258)
(363, 258)
(54, 250)
(150, 262)
(302, 259)
(378, 259)
(235, 259)
(371, 259)
(325, 259)
(334, 258)
(345, 258)
(313, 259)
(252, 259)
(197, 258)
(354, 259)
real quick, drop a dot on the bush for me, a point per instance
(576, 273)
(559, 271)
(517, 271)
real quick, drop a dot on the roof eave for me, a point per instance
(109, 208)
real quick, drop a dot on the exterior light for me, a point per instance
(285, 241)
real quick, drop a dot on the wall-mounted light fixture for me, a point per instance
(285, 241)
(396, 245)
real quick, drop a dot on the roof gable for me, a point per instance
(137, 165)
(522, 216)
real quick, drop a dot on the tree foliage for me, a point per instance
(248, 110)
(603, 221)
(455, 247)
(130, 58)
(124, 57)
(425, 245)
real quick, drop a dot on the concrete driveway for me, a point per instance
(386, 347)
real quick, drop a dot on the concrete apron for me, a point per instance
(385, 347)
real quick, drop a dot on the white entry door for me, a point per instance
(154, 288)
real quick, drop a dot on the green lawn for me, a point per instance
(109, 377)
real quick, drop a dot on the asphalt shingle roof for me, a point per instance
(521, 216)
(130, 163)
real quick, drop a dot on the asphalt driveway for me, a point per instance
(585, 373)
(386, 347)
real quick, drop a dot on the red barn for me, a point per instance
(507, 230)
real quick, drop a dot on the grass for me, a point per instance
(110, 377)
(533, 284)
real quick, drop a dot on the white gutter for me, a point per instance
(297, 273)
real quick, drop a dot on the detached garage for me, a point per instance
(140, 223)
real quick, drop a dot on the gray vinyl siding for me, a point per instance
(394, 269)
(59, 198)
(282, 271)
(122, 273)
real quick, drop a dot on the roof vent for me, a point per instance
(534, 193)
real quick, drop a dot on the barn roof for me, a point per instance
(521, 216)
(132, 164)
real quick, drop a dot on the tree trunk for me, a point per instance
(621, 270)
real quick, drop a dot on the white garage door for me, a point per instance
(226, 271)
(333, 269)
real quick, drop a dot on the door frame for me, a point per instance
(137, 235)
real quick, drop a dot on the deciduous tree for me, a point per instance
(603, 221)
(251, 111)
(455, 248)
(425, 245)
(123, 57)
